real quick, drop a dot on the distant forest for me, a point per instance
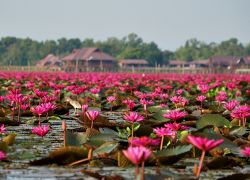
(17, 51)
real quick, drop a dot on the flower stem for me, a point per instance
(142, 170)
(39, 120)
(84, 119)
(162, 141)
(136, 171)
(201, 162)
(18, 116)
(132, 134)
(92, 123)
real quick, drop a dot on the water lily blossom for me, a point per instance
(2, 129)
(84, 109)
(175, 115)
(245, 151)
(2, 155)
(40, 130)
(92, 115)
(143, 141)
(203, 144)
(137, 155)
(162, 132)
(133, 117)
(176, 126)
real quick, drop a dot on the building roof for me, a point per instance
(133, 61)
(204, 61)
(247, 60)
(87, 54)
(49, 60)
(224, 60)
(177, 62)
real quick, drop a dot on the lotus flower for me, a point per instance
(231, 105)
(161, 132)
(2, 129)
(175, 115)
(111, 99)
(133, 117)
(176, 126)
(201, 98)
(92, 115)
(130, 103)
(246, 151)
(2, 155)
(203, 144)
(241, 113)
(143, 141)
(137, 155)
(38, 110)
(84, 109)
(204, 88)
(40, 130)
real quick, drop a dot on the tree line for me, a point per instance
(17, 51)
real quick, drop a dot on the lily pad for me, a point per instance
(76, 139)
(212, 120)
(105, 148)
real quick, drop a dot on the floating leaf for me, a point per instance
(212, 120)
(63, 156)
(159, 116)
(105, 148)
(99, 139)
(171, 156)
(3, 146)
(7, 121)
(227, 144)
(153, 109)
(223, 163)
(238, 176)
(91, 132)
(238, 131)
(76, 138)
(54, 118)
(174, 151)
(10, 139)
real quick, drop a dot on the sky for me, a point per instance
(168, 23)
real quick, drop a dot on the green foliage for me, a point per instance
(17, 51)
(212, 120)
(178, 150)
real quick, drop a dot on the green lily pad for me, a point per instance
(105, 148)
(212, 120)
(76, 139)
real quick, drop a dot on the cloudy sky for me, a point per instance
(169, 23)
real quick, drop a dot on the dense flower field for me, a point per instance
(125, 120)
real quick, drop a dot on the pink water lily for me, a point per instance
(175, 115)
(245, 151)
(231, 105)
(203, 144)
(92, 115)
(2, 155)
(176, 126)
(137, 155)
(40, 130)
(2, 129)
(241, 113)
(162, 132)
(84, 109)
(133, 117)
(143, 141)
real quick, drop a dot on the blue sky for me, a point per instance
(169, 23)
